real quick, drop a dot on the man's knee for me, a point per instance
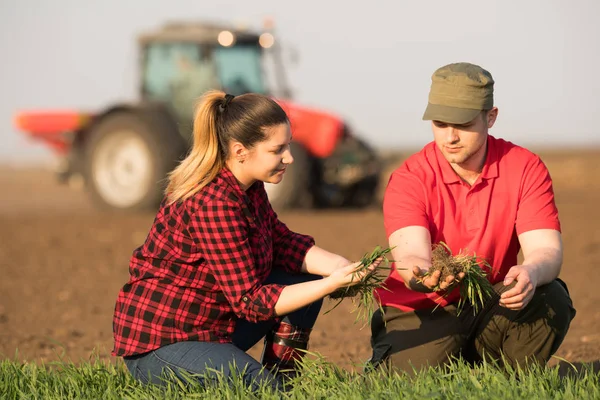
(558, 290)
(559, 309)
(557, 305)
(379, 345)
(551, 303)
(532, 334)
(410, 341)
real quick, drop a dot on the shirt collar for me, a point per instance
(230, 180)
(448, 174)
(490, 166)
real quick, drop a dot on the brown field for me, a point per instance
(63, 262)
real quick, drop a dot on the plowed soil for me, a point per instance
(62, 263)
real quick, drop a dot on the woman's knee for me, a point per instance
(283, 277)
(305, 317)
(132, 366)
(147, 369)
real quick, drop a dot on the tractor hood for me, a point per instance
(318, 131)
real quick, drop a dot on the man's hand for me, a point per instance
(422, 283)
(521, 294)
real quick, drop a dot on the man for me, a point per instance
(480, 195)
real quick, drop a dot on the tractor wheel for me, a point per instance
(293, 190)
(363, 194)
(128, 155)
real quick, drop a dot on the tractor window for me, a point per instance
(240, 69)
(177, 74)
(173, 68)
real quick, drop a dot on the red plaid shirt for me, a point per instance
(203, 266)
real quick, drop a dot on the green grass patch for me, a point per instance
(318, 380)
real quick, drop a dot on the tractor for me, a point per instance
(122, 154)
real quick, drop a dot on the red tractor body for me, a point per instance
(123, 153)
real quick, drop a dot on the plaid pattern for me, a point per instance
(282, 357)
(202, 267)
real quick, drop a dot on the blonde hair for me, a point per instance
(217, 122)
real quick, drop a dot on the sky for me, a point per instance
(368, 62)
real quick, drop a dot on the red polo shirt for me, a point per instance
(512, 195)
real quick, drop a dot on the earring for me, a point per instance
(241, 161)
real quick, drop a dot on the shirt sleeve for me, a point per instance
(289, 248)
(404, 202)
(221, 230)
(537, 209)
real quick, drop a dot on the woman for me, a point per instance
(218, 270)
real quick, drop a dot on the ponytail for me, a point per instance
(206, 157)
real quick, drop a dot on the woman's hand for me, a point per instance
(352, 273)
(340, 262)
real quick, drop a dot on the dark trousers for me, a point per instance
(410, 341)
(199, 358)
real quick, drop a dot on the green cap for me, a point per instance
(459, 92)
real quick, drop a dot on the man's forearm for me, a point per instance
(544, 264)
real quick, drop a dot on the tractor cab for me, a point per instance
(123, 152)
(183, 60)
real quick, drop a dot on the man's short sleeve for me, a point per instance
(404, 202)
(537, 209)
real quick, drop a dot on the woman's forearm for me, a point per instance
(294, 297)
(322, 262)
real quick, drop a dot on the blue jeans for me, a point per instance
(199, 358)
